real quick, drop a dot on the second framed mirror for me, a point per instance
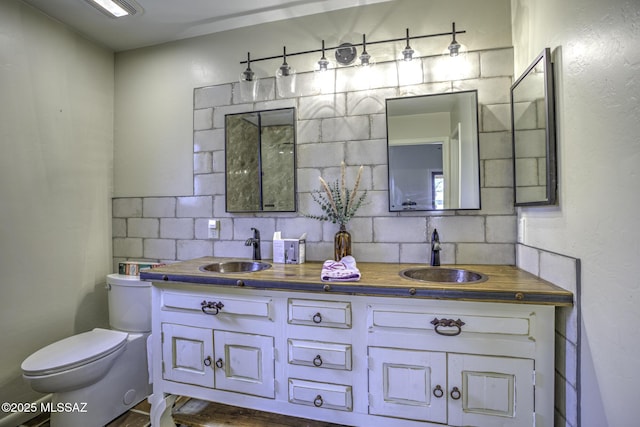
(433, 159)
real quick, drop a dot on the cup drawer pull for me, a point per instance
(447, 323)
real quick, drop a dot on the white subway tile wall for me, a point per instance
(348, 123)
(345, 123)
(562, 271)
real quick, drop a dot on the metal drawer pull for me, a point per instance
(318, 402)
(207, 361)
(455, 393)
(210, 307)
(438, 391)
(317, 318)
(448, 323)
(317, 361)
(219, 363)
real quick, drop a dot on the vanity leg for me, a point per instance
(161, 406)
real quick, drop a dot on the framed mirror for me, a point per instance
(432, 147)
(260, 161)
(533, 130)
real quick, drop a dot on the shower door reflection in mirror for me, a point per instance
(260, 156)
(433, 152)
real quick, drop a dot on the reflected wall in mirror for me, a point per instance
(533, 134)
(260, 160)
(432, 143)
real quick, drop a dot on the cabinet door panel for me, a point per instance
(244, 363)
(490, 389)
(187, 353)
(408, 384)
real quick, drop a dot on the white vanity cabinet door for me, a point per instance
(488, 390)
(187, 354)
(244, 363)
(408, 384)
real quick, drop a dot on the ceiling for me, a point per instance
(162, 21)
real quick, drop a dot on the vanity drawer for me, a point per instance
(320, 354)
(422, 320)
(331, 314)
(250, 306)
(320, 395)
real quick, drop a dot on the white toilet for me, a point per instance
(96, 376)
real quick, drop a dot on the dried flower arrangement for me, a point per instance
(338, 203)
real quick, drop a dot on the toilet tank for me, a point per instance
(129, 301)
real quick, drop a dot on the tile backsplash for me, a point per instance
(563, 271)
(348, 125)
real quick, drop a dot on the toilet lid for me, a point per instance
(74, 351)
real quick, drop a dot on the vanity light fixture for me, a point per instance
(407, 53)
(248, 82)
(323, 79)
(285, 77)
(454, 46)
(346, 54)
(113, 8)
(365, 58)
(323, 63)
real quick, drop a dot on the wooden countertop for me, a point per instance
(505, 283)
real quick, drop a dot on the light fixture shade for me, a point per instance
(365, 69)
(285, 78)
(323, 75)
(410, 72)
(248, 83)
(454, 47)
(323, 63)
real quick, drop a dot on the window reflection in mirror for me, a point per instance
(433, 152)
(260, 161)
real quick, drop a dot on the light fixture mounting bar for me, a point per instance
(399, 39)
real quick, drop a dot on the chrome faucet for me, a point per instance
(255, 241)
(435, 248)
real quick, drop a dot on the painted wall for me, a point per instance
(597, 60)
(56, 135)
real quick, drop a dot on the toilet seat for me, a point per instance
(74, 351)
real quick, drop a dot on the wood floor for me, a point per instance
(189, 412)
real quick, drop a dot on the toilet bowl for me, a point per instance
(96, 376)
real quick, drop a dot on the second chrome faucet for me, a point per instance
(435, 248)
(255, 242)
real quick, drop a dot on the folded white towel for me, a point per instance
(344, 270)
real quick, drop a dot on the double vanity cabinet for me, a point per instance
(379, 352)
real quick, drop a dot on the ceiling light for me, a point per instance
(113, 8)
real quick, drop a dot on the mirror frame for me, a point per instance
(294, 188)
(543, 60)
(476, 128)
